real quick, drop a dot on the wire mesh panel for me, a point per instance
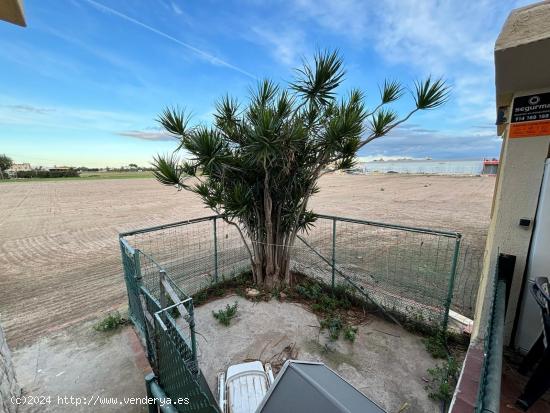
(470, 263)
(408, 271)
(312, 253)
(178, 374)
(132, 275)
(232, 255)
(164, 318)
(196, 253)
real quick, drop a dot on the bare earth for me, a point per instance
(386, 363)
(59, 255)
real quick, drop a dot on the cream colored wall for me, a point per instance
(516, 196)
(12, 11)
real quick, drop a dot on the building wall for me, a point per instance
(8, 382)
(16, 167)
(516, 196)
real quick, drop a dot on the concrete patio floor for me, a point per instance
(95, 367)
(386, 363)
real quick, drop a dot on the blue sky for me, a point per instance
(84, 82)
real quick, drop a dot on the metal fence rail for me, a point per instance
(408, 271)
(470, 264)
(169, 339)
(488, 400)
(196, 253)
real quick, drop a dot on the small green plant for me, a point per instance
(443, 379)
(219, 290)
(325, 304)
(436, 345)
(332, 304)
(325, 301)
(233, 283)
(200, 297)
(111, 322)
(310, 291)
(343, 290)
(334, 325)
(350, 333)
(225, 316)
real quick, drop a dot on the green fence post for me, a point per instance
(158, 395)
(135, 286)
(333, 252)
(152, 407)
(191, 311)
(162, 289)
(137, 267)
(449, 298)
(215, 250)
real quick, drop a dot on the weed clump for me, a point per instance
(111, 322)
(334, 325)
(224, 316)
(332, 305)
(443, 379)
(235, 284)
(436, 345)
(350, 333)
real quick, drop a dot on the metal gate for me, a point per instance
(164, 319)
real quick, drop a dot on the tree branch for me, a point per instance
(374, 136)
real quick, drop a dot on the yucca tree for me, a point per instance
(258, 164)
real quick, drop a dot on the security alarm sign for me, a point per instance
(530, 116)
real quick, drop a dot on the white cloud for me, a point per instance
(349, 17)
(147, 135)
(286, 45)
(448, 38)
(176, 8)
(434, 34)
(15, 112)
(207, 56)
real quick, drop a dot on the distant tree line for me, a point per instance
(36, 173)
(5, 163)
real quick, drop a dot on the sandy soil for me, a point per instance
(100, 370)
(59, 256)
(385, 362)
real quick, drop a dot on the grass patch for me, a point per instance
(224, 316)
(334, 325)
(436, 345)
(111, 322)
(443, 379)
(87, 176)
(235, 285)
(334, 306)
(350, 333)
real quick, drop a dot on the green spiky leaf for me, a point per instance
(430, 94)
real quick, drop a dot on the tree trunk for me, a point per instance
(271, 265)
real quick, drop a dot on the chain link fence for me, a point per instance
(415, 272)
(468, 271)
(408, 272)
